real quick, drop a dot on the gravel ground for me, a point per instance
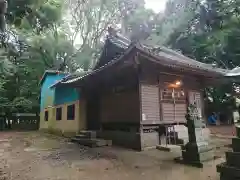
(38, 156)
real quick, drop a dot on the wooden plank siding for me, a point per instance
(150, 103)
(120, 107)
(159, 106)
(160, 102)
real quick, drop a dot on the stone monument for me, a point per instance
(230, 170)
(197, 149)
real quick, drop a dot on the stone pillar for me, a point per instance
(197, 150)
(230, 170)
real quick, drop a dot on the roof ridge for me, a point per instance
(126, 41)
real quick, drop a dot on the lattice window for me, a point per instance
(173, 95)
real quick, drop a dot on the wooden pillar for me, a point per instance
(160, 98)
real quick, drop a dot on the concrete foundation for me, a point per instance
(149, 140)
(120, 138)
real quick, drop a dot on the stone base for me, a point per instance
(228, 172)
(233, 159)
(122, 138)
(223, 177)
(201, 157)
(236, 144)
(195, 154)
(190, 163)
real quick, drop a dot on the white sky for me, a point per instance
(155, 5)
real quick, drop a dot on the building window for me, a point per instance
(46, 116)
(59, 114)
(71, 112)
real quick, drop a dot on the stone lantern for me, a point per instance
(230, 170)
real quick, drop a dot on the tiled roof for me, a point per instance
(162, 55)
(172, 55)
(176, 58)
(70, 77)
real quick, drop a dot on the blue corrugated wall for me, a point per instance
(51, 97)
(65, 95)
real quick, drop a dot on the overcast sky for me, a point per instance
(156, 5)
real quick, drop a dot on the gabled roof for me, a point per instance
(121, 43)
(171, 58)
(117, 47)
(47, 72)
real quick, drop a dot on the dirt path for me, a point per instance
(36, 156)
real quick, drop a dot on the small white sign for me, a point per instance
(144, 118)
(235, 116)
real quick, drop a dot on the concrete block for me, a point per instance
(120, 138)
(206, 156)
(88, 134)
(149, 139)
(233, 159)
(231, 172)
(236, 144)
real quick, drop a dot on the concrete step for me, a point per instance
(203, 156)
(232, 159)
(169, 148)
(83, 136)
(92, 142)
(88, 134)
(207, 156)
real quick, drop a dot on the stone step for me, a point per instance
(228, 172)
(92, 142)
(233, 159)
(88, 134)
(236, 144)
(204, 156)
(205, 148)
(83, 136)
(207, 156)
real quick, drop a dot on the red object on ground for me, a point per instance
(233, 131)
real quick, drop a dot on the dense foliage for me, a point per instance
(67, 35)
(207, 31)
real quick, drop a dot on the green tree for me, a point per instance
(27, 23)
(207, 32)
(34, 14)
